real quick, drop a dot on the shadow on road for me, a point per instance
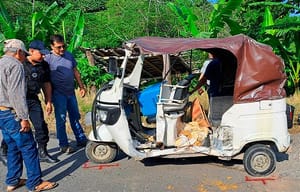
(76, 160)
(190, 160)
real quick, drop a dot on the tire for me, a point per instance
(101, 152)
(259, 160)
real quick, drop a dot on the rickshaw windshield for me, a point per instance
(259, 72)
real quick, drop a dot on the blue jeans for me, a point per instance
(62, 105)
(21, 146)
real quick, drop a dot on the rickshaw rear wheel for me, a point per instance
(259, 160)
(99, 152)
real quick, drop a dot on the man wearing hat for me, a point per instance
(37, 75)
(14, 121)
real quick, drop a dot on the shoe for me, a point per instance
(21, 183)
(3, 159)
(82, 143)
(44, 186)
(45, 157)
(67, 149)
(3, 151)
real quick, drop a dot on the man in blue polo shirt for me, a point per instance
(63, 71)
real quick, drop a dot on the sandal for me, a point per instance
(21, 183)
(45, 185)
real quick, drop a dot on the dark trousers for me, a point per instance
(36, 116)
(3, 145)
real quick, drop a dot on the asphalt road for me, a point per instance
(197, 174)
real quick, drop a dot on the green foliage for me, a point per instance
(283, 34)
(221, 16)
(76, 39)
(268, 21)
(9, 29)
(121, 21)
(91, 75)
(85, 5)
(108, 23)
(187, 18)
(45, 23)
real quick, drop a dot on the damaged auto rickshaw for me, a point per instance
(251, 122)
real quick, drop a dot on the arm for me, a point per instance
(47, 90)
(202, 79)
(201, 82)
(17, 96)
(78, 79)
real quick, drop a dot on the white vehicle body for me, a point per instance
(241, 125)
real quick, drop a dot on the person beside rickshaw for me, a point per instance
(202, 71)
(63, 72)
(14, 122)
(210, 73)
(37, 75)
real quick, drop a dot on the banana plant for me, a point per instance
(78, 29)
(8, 28)
(187, 19)
(221, 16)
(283, 34)
(43, 24)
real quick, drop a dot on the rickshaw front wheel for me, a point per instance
(99, 152)
(259, 160)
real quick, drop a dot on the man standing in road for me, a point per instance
(63, 72)
(37, 75)
(14, 121)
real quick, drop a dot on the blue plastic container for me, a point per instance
(148, 98)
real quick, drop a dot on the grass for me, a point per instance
(85, 105)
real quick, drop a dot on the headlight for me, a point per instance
(109, 115)
(103, 115)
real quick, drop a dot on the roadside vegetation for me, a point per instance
(108, 23)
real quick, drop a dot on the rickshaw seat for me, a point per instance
(169, 107)
(174, 97)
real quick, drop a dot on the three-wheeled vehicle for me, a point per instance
(252, 122)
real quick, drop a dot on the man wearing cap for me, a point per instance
(14, 121)
(37, 75)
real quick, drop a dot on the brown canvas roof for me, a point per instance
(259, 72)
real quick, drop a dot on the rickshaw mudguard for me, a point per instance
(122, 137)
(102, 134)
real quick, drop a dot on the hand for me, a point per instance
(200, 91)
(82, 92)
(49, 108)
(25, 126)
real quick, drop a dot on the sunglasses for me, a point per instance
(60, 47)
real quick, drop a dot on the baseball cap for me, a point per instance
(39, 45)
(14, 44)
